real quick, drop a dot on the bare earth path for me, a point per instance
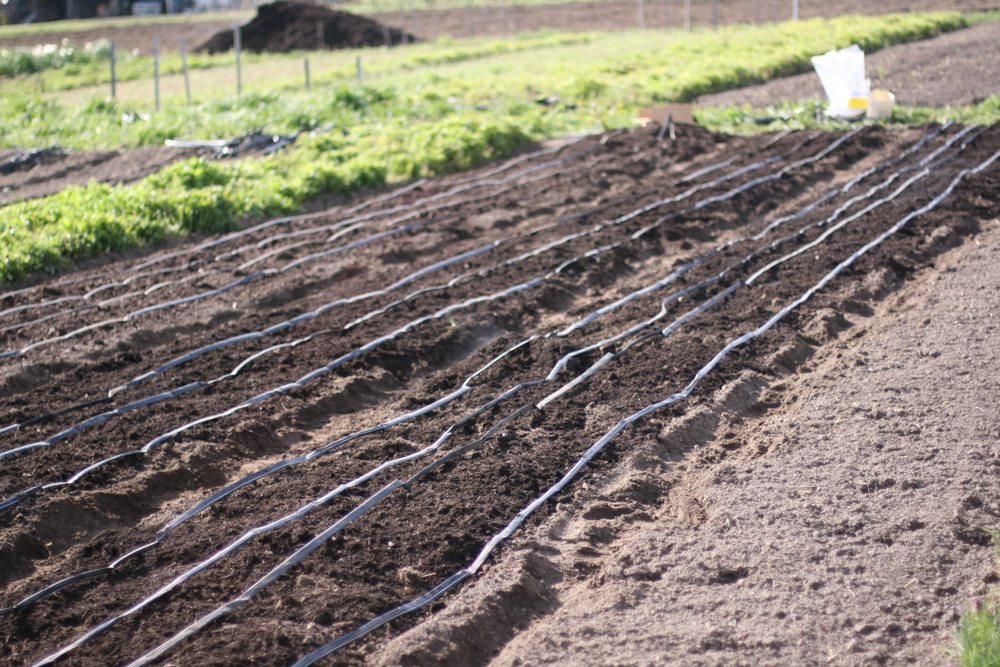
(833, 517)
(489, 19)
(951, 69)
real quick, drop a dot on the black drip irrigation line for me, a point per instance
(275, 222)
(110, 300)
(596, 448)
(434, 447)
(289, 562)
(169, 394)
(308, 378)
(294, 264)
(491, 545)
(409, 211)
(100, 419)
(215, 242)
(302, 511)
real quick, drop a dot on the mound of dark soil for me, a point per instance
(285, 26)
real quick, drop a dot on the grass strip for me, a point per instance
(977, 641)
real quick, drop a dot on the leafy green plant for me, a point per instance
(19, 61)
(977, 641)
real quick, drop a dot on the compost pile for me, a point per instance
(280, 27)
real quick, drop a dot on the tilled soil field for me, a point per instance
(68, 168)
(238, 451)
(951, 69)
(498, 19)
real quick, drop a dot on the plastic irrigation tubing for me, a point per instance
(203, 504)
(454, 453)
(529, 284)
(173, 393)
(311, 315)
(72, 430)
(292, 516)
(415, 209)
(283, 220)
(257, 275)
(435, 446)
(611, 434)
(560, 364)
(314, 257)
(710, 303)
(252, 591)
(106, 302)
(86, 296)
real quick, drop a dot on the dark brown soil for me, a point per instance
(81, 167)
(126, 38)
(526, 220)
(956, 68)
(284, 26)
(492, 19)
(830, 513)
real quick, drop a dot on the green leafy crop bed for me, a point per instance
(452, 110)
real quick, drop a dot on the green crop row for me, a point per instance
(22, 61)
(422, 122)
(200, 196)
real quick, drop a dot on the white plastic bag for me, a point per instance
(842, 74)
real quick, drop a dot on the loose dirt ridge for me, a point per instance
(242, 449)
(284, 26)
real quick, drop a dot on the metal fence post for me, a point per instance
(184, 67)
(156, 71)
(795, 10)
(238, 44)
(114, 82)
(687, 15)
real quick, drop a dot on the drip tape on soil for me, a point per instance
(560, 308)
